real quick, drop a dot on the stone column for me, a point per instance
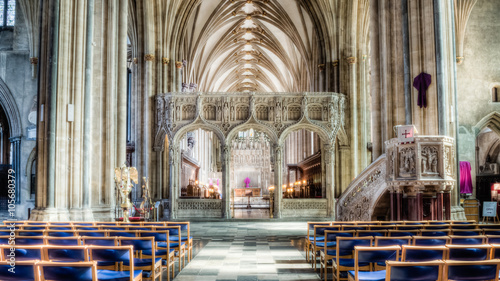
(399, 203)
(178, 73)
(278, 179)
(328, 153)
(447, 205)
(174, 179)
(439, 199)
(226, 191)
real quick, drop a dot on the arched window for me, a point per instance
(7, 13)
(495, 94)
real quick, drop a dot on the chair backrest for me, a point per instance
(468, 240)
(93, 233)
(409, 271)
(125, 233)
(345, 245)
(375, 255)
(24, 271)
(21, 253)
(63, 241)
(30, 240)
(392, 241)
(61, 223)
(396, 233)
(60, 227)
(437, 226)
(423, 253)
(331, 235)
(30, 233)
(415, 222)
(468, 252)
(60, 233)
(488, 231)
(172, 230)
(382, 227)
(139, 243)
(495, 251)
(430, 232)
(32, 227)
(493, 239)
(158, 235)
(467, 232)
(65, 253)
(431, 240)
(471, 270)
(319, 230)
(374, 233)
(354, 227)
(408, 227)
(465, 226)
(74, 271)
(115, 254)
(99, 241)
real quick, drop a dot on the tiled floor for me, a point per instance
(241, 251)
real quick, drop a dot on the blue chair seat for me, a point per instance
(142, 262)
(369, 275)
(111, 275)
(184, 238)
(172, 245)
(350, 262)
(319, 238)
(328, 244)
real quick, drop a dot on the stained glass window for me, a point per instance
(7, 13)
(2, 12)
(11, 12)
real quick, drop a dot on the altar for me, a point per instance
(242, 192)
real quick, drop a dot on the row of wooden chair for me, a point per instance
(145, 247)
(128, 231)
(157, 223)
(366, 260)
(46, 270)
(343, 259)
(424, 222)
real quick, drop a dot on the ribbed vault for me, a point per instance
(241, 46)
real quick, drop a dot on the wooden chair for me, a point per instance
(395, 233)
(184, 228)
(151, 266)
(179, 247)
(410, 271)
(329, 249)
(435, 232)
(63, 241)
(110, 262)
(344, 256)
(493, 239)
(374, 233)
(167, 254)
(366, 260)
(471, 270)
(318, 242)
(63, 271)
(93, 233)
(310, 236)
(99, 241)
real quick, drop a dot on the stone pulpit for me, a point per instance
(420, 176)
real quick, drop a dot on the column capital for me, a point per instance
(15, 139)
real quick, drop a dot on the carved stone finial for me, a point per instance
(460, 60)
(165, 60)
(351, 60)
(178, 64)
(149, 57)
(34, 60)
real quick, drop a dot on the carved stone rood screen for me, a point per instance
(275, 114)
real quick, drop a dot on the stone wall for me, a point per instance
(476, 76)
(16, 72)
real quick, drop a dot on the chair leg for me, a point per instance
(307, 251)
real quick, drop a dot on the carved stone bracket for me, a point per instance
(463, 8)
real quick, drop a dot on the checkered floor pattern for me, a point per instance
(248, 251)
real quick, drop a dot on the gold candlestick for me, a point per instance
(124, 176)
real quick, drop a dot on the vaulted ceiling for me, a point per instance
(253, 45)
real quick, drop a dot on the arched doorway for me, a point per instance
(5, 160)
(251, 174)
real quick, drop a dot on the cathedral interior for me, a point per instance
(265, 112)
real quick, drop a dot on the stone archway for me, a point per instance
(11, 110)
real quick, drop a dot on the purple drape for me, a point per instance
(421, 83)
(465, 178)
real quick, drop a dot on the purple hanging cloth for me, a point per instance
(421, 83)
(465, 178)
